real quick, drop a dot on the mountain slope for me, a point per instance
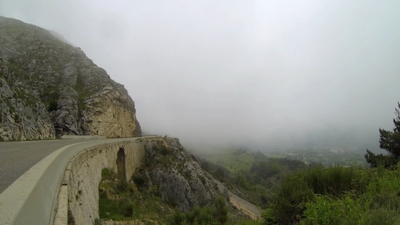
(169, 177)
(49, 88)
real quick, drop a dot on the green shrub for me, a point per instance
(288, 205)
(164, 149)
(115, 209)
(298, 191)
(325, 210)
(382, 217)
(378, 203)
(215, 214)
(336, 180)
(107, 173)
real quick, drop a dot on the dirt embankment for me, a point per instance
(245, 206)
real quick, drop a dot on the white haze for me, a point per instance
(266, 74)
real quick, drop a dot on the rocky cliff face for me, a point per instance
(176, 175)
(48, 86)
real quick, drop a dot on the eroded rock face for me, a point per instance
(177, 175)
(67, 110)
(105, 111)
(21, 118)
(48, 86)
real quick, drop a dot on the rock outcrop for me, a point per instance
(176, 174)
(180, 181)
(48, 87)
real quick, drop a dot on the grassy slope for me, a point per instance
(234, 160)
(326, 157)
(252, 176)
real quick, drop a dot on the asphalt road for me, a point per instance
(17, 157)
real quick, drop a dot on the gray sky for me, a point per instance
(275, 74)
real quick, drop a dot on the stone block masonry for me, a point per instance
(84, 176)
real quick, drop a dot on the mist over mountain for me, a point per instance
(268, 74)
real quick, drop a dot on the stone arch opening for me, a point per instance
(121, 164)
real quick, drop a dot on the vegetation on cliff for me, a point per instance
(217, 213)
(123, 201)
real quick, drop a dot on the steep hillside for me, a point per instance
(49, 88)
(169, 177)
(178, 177)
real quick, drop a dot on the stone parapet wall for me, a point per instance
(85, 175)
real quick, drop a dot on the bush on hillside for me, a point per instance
(390, 142)
(289, 204)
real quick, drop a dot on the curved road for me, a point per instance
(17, 157)
(31, 173)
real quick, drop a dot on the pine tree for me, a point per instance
(389, 141)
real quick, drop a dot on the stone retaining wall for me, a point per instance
(84, 176)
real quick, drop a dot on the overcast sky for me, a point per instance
(272, 74)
